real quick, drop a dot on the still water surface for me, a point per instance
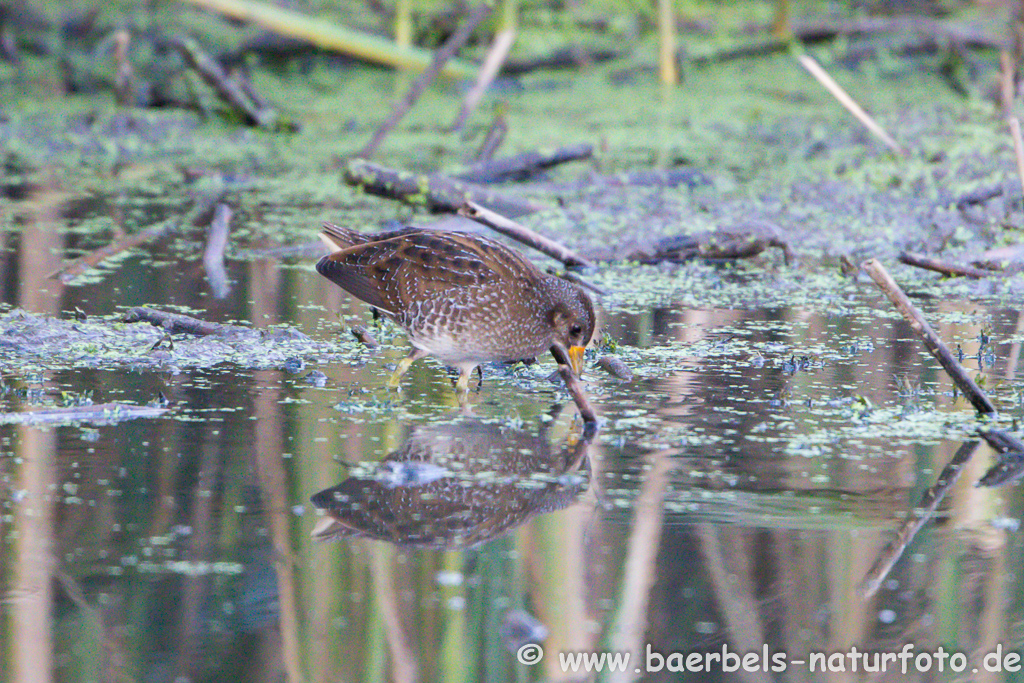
(740, 490)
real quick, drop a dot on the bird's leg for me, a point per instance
(462, 385)
(403, 366)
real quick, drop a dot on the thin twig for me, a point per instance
(488, 70)
(920, 514)
(522, 234)
(932, 341)
(525, 165)
(848, 102)
(72, 270)
(576, 279)
(949, 269)
(441, 57)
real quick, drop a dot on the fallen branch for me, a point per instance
(213, 255)
(76, 268)
(572, 383)
(522, 234)
(176, 323)
(916, 519)
(524, 166)
(488, 70)
(849, 103)
(437, 192)
(949, 269)
(441, 57)
(931, 340)
(228, 90)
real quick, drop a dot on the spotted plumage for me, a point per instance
(461, 298)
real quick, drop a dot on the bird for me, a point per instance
(460, 297)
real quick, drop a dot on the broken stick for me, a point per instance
(931, 340)
(522, 234)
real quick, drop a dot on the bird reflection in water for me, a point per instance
(456, 485)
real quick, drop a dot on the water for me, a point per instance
(737, 495)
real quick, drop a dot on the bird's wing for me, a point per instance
(418, 263)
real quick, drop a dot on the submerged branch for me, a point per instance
(916, 519)
(72, 270)
(1011, 458)
(213, 255)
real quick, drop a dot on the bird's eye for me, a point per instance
(575, 330)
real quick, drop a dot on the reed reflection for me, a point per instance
(456, 485)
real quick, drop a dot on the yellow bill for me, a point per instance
(576, 359)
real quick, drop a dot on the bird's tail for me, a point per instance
(337, 237)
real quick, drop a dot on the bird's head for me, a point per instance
(573, 319)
